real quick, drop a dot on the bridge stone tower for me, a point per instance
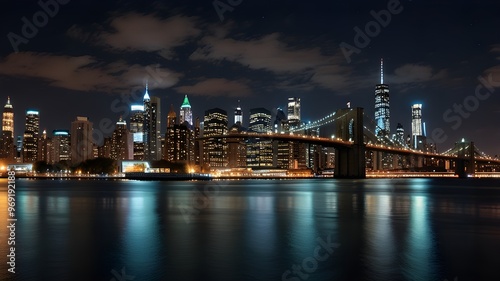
(465, 164)
(350, 161)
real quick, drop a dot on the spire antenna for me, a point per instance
(146, 93)
(381, 71)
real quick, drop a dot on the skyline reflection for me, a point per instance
(253, 230)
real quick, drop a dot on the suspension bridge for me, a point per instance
(357, 147)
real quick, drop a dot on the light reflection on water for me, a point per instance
(401, 229)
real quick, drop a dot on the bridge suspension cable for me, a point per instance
(369, 130)
(318, 123)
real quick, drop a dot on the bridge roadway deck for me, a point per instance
(338, 143)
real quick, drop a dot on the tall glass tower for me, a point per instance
(151, 127)
(382, 111)
(418, 140)
(238, 114)
(400, 135)
(61, 145)
(155, 129)
(293, 111)
(137, 130)
(214, 149)
(416, 120)
(260, 120)
(31, 132)
(146, 127)
(121, 146)
(259, 151)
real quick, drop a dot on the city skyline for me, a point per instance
(416, 128)
(253, 55)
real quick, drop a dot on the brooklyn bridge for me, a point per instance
(357, 146)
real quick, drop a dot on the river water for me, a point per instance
(313, 229)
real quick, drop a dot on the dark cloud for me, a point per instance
(85, 73)
(139, 32)
(269, 53)
(415, 73)
(216, 87)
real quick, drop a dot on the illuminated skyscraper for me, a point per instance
(8, 117)
(180, 142)
(19, 149)
(382, 111)
(82, 145)
(260, 120)
(31, 132)
(281, 149)
(294, 111)
(121, 142)
(155, 128)
(147, 125)
(214, 149)
(186, 114)
(137, 130)
(238, 114)
(400, 135)
(297, 150)
(259, 151)
(280, 122)
(416, 120)
(61, 146)
(7, 145)
(170, 135)
(417, 136)
(198, 144)
(151, 127)
(45, 148)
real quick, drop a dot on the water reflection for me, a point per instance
(4, 231)
(410, 229)
(139, 246)
(381, 249)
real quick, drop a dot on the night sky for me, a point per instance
(87, 57)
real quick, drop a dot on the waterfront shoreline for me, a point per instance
(189, 178)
